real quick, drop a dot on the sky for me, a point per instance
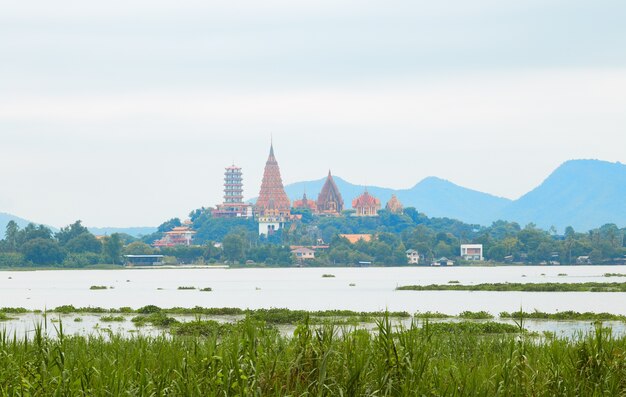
(125, 112)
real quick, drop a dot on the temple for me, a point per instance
(305, 204)
(273, 207)
(329, 201)
(179, 235)
(366, 205)
(394, 205)
(233, 205)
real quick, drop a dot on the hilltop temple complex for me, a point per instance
(329, 201)
(273, 208)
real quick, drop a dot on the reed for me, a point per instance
(250, 358)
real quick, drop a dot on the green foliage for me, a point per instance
(112, 248)
(530, 287)
(42, 251)
(205, 358)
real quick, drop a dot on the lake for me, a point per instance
(305, 288)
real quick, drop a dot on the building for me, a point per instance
(443, 262)
(303, 253)
(233, 205)
(472, 252)
(366, 205)
(273, 208)
(329, 201)
(353, 238)
(413, 257)
(180, 235)
(143, 260)
(305, 204)
(394, 205)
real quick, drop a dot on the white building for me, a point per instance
(472, 252)
(413, 257)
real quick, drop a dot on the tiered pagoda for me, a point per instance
(233, 205)
(273, 207)
(329, 201)
(305, 203)
(394, 205)
(366, 205)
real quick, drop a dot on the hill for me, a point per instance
(584, 194)
(433, 196)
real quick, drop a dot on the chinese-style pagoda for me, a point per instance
(329, 201)
(273, 207)
(233, 205)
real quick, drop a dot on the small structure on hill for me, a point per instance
(180, 235)
(366, 205)
(394, 205)
(305, 203)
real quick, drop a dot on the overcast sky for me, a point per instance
(124, 113)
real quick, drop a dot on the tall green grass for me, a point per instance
(250, 358)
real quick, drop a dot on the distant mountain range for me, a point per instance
(133, 231)
(584, 194)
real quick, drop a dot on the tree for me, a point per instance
(112, 248)
(169, 225)
(233, 246)
(41, 251)
(11, 236)
(138, 248)
(85, 242)
(72, 231)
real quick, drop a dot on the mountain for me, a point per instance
(132, 231)
(6, 218)
(21, 222)
(433, 196)
(584, 194)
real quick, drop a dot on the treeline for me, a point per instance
(433, 238)
(236, 241)
(72, 247)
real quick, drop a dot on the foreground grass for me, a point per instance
(532, 287)
(250, 358)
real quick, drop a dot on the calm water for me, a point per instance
(300, 288)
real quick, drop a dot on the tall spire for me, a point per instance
(329, 201)
(273, 200)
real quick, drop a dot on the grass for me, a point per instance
(481, 315)
(564, 315)
(98, 287)
(111, 318)
(249, 358)
(531, 287)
